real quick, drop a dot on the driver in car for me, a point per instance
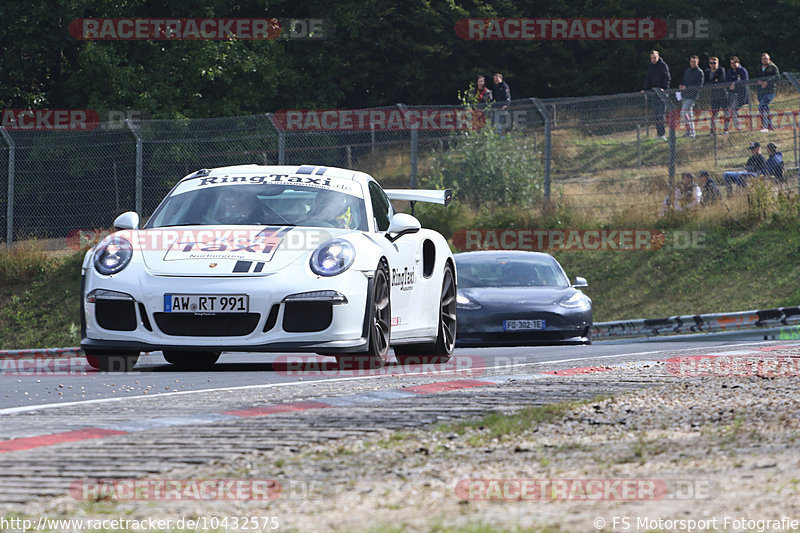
(332, 208)
(238, 207)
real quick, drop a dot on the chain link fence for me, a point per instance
(595, 151)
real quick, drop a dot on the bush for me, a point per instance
(485, 169)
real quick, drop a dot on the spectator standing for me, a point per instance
(710, 188)
(482, 92)
(767, 75)
(501, 94)
(657, 78)
(714, 76)
(756, 164)
(774, 164)
(737, 91)
(690, 90)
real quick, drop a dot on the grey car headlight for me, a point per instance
(113, 255)
(576, 301)
(462, 302)
(333, 257)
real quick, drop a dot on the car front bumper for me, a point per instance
(272, 323)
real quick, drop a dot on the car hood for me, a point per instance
(233, 251)
(517, 295)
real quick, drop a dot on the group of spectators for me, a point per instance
(498, 98)
(688, 193)
(728, 90)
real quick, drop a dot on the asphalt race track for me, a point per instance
(46, 381)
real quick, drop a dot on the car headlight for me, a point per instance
(576, 301)
(113, 255)
(333, 257)
(462, 302)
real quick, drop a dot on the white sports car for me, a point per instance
(271, 259)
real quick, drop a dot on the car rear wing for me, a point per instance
(421, 195)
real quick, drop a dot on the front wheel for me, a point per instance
(441, 350)
(192, 360)
(111, 361)
(379, 327)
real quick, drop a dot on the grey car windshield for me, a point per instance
(494, 272)
(244, 204)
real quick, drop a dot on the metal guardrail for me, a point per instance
(708, 323)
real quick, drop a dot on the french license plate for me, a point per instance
(206, 303)
(522, 325)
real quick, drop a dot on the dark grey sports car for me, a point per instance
(517, 298)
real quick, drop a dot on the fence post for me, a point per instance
(12, 149)
(639, 145)
(673, 122)
(796, 84)
(548, 145)
(138, 137)
(413, 151)
(281, 139)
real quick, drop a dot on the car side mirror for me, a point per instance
(402, 224)
(128, 220)
(580, 282)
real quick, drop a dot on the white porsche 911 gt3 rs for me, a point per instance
(271, 259)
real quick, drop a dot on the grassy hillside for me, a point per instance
(737, 270)
(39, 301)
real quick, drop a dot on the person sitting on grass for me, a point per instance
(756, 165)
(774, 163)
(710, 189)
(687, 195)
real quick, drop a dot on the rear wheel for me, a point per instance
(192, 360)
(112, 361)
(440, 351)
(379, 330)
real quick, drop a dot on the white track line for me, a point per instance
(28, 408)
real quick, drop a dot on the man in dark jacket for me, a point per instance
(774, 162)
(501, 94)
(766, 89)
(737, 91)
(714, 76)
(690, 90)
(657, 77)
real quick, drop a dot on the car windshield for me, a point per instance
(261, 204)
(496, 272)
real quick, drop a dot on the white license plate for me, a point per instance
(522, 325)
(206, 303)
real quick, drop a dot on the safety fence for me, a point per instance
(708, 323)
(53, 182)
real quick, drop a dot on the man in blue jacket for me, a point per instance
(657, 78)
(737, 91)
(690, 89)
